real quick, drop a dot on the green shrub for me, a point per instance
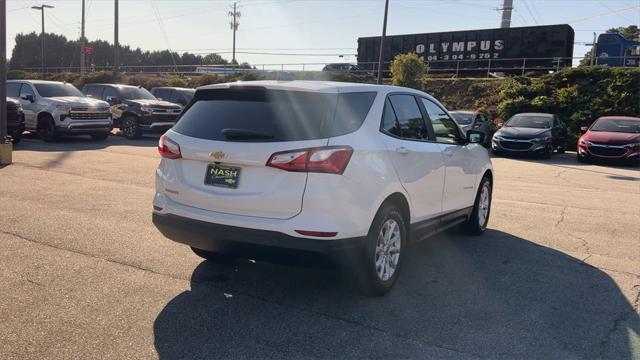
(176, 81)
(408, 70)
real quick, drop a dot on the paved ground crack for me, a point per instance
(604, 344)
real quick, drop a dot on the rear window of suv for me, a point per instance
(267, 115)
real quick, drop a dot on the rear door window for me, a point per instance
(109, 92)
(13, 90)
(94, 91)
(162, 94)
(402, 118)
(265, 115)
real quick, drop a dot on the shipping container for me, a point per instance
(509, 50)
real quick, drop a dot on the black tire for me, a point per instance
(212, 256)
(100, 136)
(582, 159)
(130, 127)
(562, 150)
(47, 129)
(548, 152)
(16, 137)
(370, 281)
(474, 225)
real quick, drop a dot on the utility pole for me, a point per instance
(235, 14)
(116, 45)
(83, 42)
(507, 7)
(41, 8)
(384, 34)
(593, 50)
(3, 72)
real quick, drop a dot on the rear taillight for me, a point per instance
(168, 148)
(327, 159)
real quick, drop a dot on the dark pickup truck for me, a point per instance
(134, 109)
(15, 120)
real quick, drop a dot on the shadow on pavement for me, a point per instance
(497, 296)
(82, 143)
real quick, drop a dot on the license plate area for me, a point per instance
(222, 176)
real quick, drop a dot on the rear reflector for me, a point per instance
(317, 233)
(168, 148)
(327, 159)
(157, 208)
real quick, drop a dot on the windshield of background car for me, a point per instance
(530, 121)
(134, 93)
(188, 94)
(617, 125)
(462, 118)
(266, 115)
(57, 90)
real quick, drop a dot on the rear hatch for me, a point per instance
(236, 130)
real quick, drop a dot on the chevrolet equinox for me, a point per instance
(337, 168)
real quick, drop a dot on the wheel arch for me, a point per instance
(398, 199)
(43, 115)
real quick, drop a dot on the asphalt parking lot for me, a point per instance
(86, 275)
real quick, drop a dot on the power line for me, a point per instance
(162, 30)
(526, 5)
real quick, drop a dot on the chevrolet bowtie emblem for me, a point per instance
(218, 155)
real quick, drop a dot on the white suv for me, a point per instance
(319, 166)
(53, 108)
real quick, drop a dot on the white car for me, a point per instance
(53, 108)
(319, 166)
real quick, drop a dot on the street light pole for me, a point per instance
(3, 70)
(6, 148)
(384, 34)
(82, 43)
(116, 45)
(41, 8)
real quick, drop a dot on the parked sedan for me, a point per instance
(611, 138)
(475, 120)
(531, 133)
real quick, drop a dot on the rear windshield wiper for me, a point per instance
(242, 134)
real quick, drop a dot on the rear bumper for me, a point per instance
(231, 239)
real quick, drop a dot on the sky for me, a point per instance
(299, 32)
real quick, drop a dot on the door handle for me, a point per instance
(402, 150)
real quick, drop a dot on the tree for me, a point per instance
(631, 32)
(65, 53)
(214, 59)
(407, 70)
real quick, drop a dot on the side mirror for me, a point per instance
(29, 98)
(112, 100)
(583, 129)
(476, 137)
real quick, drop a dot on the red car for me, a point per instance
(611, 138)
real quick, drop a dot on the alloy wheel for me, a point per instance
(483, 205)
(388, 249)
